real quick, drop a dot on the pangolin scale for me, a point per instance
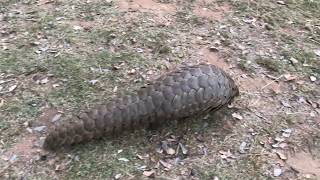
(180, 94)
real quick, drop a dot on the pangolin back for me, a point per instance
(180, 94)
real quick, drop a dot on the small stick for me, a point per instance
(271, 82)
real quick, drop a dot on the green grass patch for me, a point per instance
(270, 64)
(103, 160)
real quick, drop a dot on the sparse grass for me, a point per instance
(245, 66)
(270, 64)
(94, 163)
(189, 19)
(307, 61)
(11, 61)
(14, 114)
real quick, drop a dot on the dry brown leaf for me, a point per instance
(279, 139)
(281, 155)
(289, 77)
(140, 157)
(116, 67)
(300, 82)
(115, 89)
(149, 173)
(165, 164)
(167, 149)
(59, 167)
(294, 60)
(55, 85)
(1, 102)
(118, 176)
(170, 151)
(183, 148)
(132, 71)
(44, 80)
(285, 104)
(237, 116)
(276, 88)
(56, 117)
(12, 88)
(286, 132)
(313, 78)
(283, 145)
(123, 159)
(225, 154)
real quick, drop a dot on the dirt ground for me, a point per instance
(60, 56)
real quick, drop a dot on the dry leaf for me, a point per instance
(317, 52)
(167, 149)
(115, 89)
(139, 50)
(143, 167)
(170, 151)
(242, 147)
(77, 28)
(118, 176)
(281, 2)
(116, 67)
(123, 159)
(132, 71)
(140, 157)
(86, 25)
(237, 116)
(159, 150)
(225, 154)
(40, 128)
(93, 82)
(289, 77)
(29, 130)
(150, 173)
(313, 79)
(300, 82)
(44, 80)
(281, 155)
(183, 148)
(13, 158)
(283, 145)
(285, 104)
(56, 117)
(1, 102)
(165, 164)
(279, 139)
(286, 133)
(276, 88)
(55, 85)
(59, 167)
(12, 88)
(150, 72)
(294, 60)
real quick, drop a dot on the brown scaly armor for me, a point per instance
(180, 94)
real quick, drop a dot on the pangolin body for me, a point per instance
(183, 93)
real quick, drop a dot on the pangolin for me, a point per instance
(182, 93)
